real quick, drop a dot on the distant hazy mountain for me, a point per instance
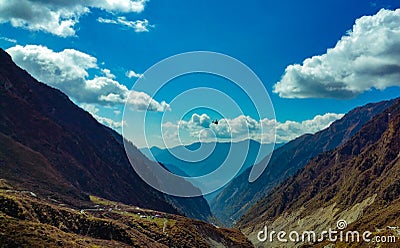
(240, 195)
(213, 154)
(171, 158)
(52, 147)
(358, 182)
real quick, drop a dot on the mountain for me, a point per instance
(207, 157)
(54, 148)
(30, 220)
(213, 155)
(285, 161)
(358, 182)
(193, 207)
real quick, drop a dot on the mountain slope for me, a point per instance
(193, 207)
(240, 195)
(79, 156)
(358, 182)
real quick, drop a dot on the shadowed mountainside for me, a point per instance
(53, 147)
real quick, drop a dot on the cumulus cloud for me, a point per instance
(132, 74)
(367, 57)
(138, 26)
(197, 121)
(125, 6)
(245, 127)
(108, 73)
(290, 130)
(59, 17)
(68, 71)
(143, 102)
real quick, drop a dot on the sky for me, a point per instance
(317, 60)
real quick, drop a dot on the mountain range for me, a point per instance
(207, 157)
(65, 179)
(357, 182)
(239, 195)
(59, 152)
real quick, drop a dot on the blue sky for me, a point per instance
(107, 41)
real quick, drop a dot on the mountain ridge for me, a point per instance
(29, 220)
(207, 157)
(81, 153)
(358, 182)
(287, 160)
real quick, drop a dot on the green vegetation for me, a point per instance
(101, 201)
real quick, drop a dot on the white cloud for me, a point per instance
(245, 127)
(290, 130)
(143, 102)
(132, 74)
(138, 26)
(104, 89)
(125, 6)
(367, 57)
(65, 70)
(8, 39)
(197, 121)
(59, 17)
(68, 71)
(108, 73)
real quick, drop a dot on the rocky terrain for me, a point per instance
(53, 147)
(58, 166)
(237, 198)
(358, 182)
(29, 220)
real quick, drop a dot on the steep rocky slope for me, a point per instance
(240, 195)
(51, 146)
(358, 182)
